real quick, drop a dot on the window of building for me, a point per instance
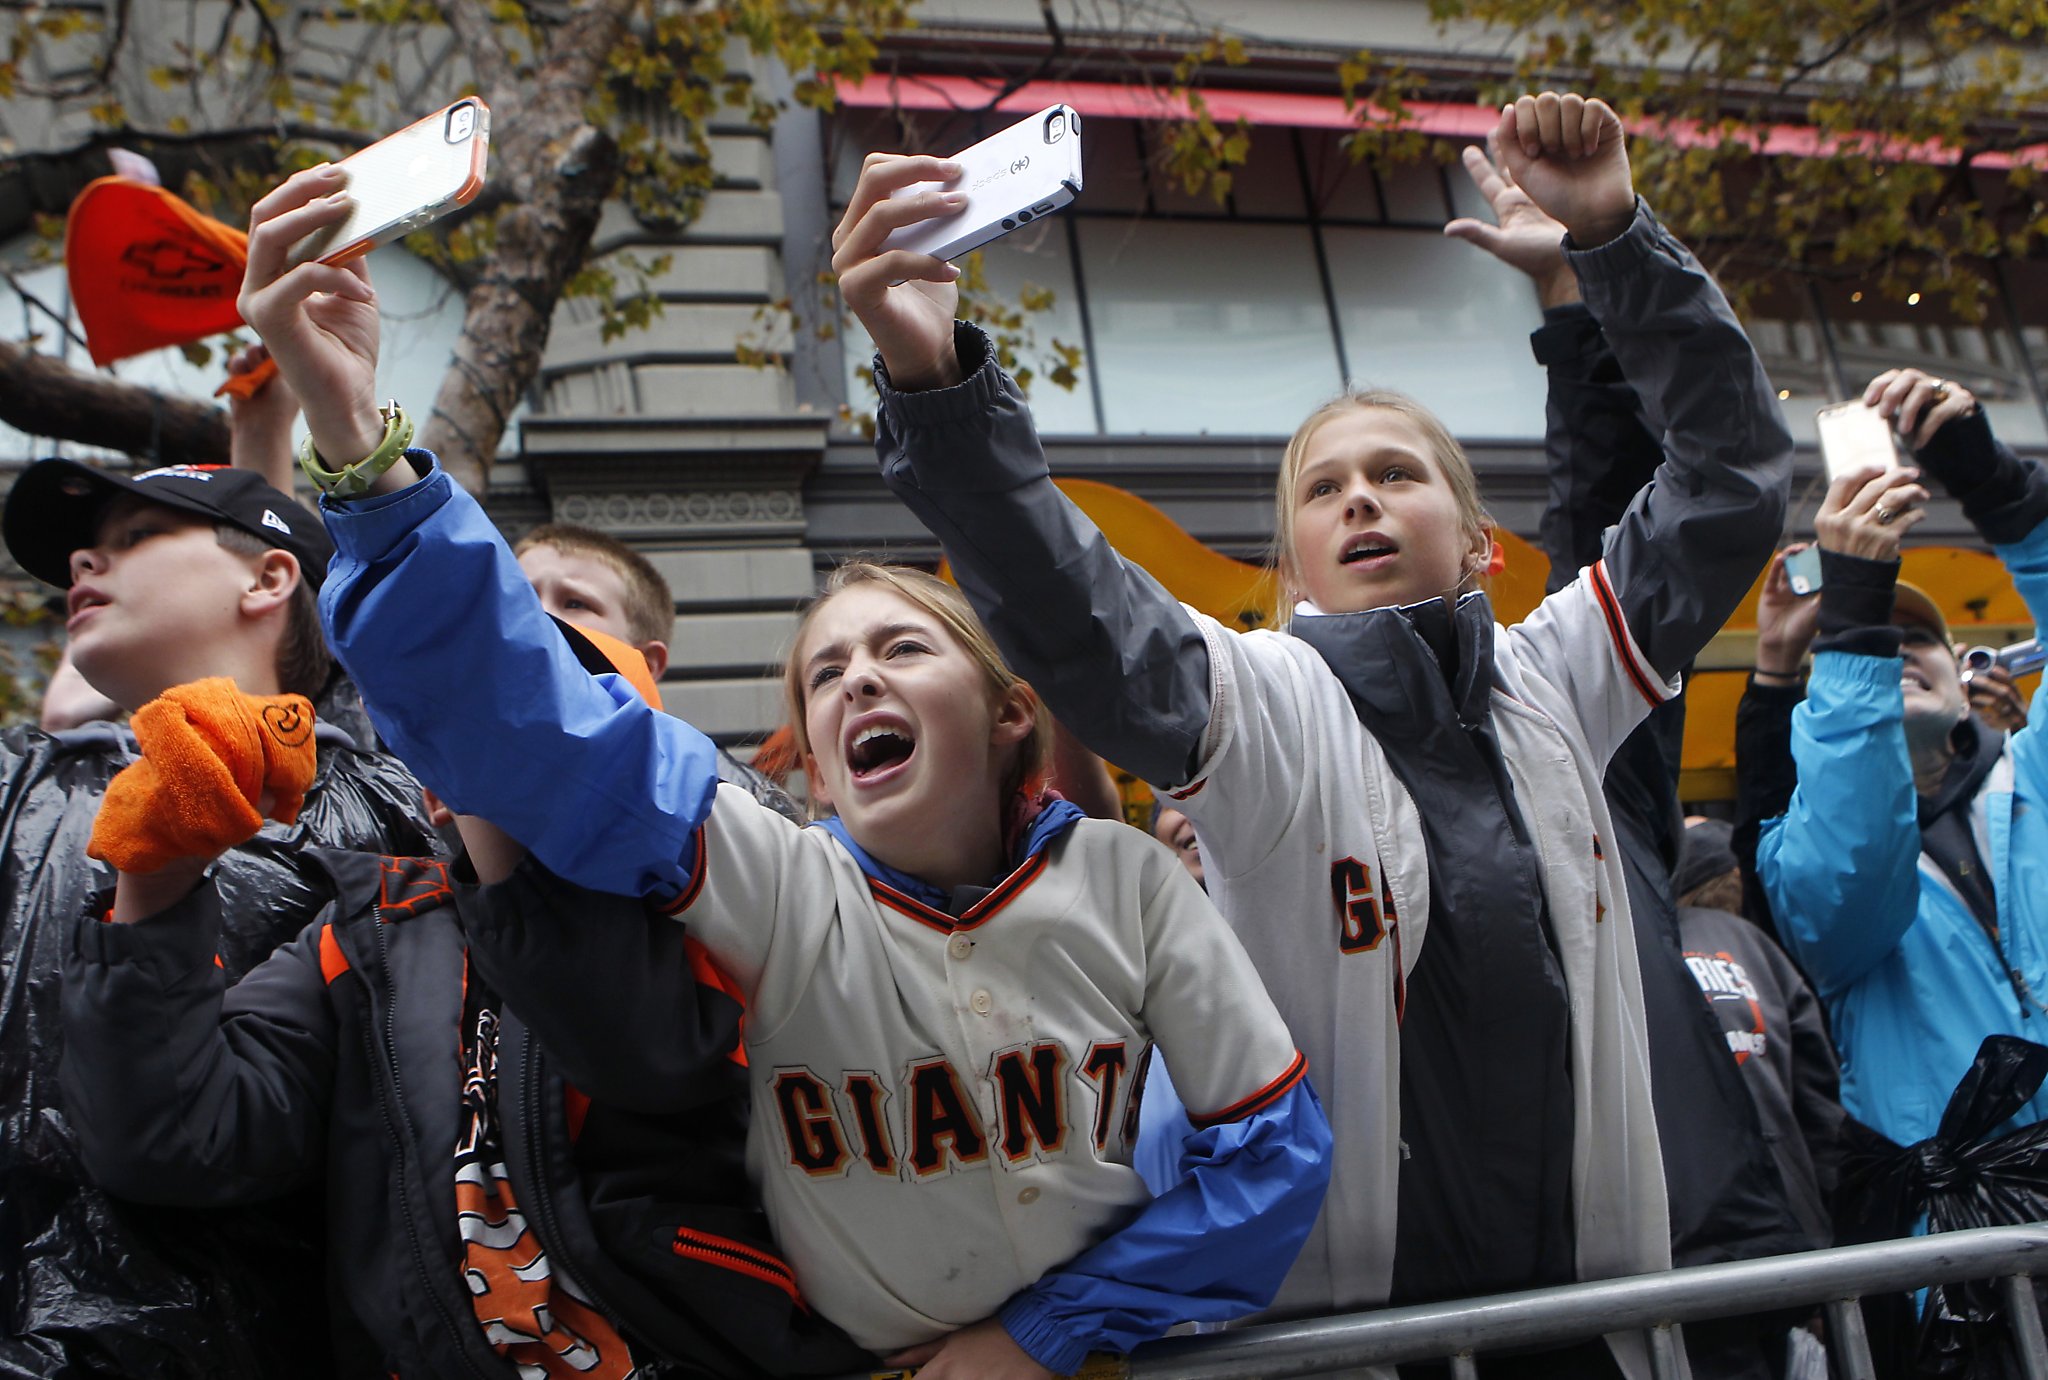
(1784, 323)
(1237, 318)
(1206, 326)
(1443, 322)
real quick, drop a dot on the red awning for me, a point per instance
(1114, 101)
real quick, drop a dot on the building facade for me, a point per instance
(1205, 329)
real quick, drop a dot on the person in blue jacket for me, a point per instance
(1909, 875)
(951, 986)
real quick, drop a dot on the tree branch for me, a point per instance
(46, 397)
(478, 33)
(1895, 19)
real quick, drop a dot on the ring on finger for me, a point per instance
(1941, 388)
(1885, 516)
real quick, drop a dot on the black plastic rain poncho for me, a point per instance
(89, 1285)
(1976, 1170)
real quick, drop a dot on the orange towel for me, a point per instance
(208, 754)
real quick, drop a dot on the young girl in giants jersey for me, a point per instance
(1398, 802)
(950, 986)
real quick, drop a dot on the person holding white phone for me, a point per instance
(950, 987)
(1399, 803)
(1908, 873)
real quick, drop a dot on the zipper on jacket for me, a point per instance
(545, 1223)
(397, 1100)
(2022, 990)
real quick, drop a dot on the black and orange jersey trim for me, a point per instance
(695, 862)
(739, 1257)
(1639, 674)
(1258, 1101)
(979, 913)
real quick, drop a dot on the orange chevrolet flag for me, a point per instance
(147, 270)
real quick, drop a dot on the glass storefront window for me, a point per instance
(1206, 328)
(1443, 322)
(1340, 189)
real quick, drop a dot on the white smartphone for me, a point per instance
(404, 181)
(1852, 437)
(1029, 170)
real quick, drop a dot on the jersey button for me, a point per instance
(982, 1002)
(1028, 1197)
(961, 946)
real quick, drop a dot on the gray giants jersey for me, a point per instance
(944, 1105)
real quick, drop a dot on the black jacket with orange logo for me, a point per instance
(340, 1059)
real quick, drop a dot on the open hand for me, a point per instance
(906, 300)
(1917, 404)
(1527, 237)
(985, 1351)
(318, 320)
(1867, 511)
(1567, 154)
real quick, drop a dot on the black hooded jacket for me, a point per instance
(336, 1063)
(89, 1284)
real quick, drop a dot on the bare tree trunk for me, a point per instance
(45, 397)
(557, 169)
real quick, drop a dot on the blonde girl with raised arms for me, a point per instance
(1398, 801)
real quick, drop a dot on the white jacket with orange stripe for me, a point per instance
(1313, 826)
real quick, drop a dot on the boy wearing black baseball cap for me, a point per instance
(190, 601)
(187, 567)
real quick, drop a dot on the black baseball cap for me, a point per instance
(55, 506)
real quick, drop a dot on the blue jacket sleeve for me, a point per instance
(473, 687)
(1214, 1246)
(2027, 561)
(1841, 865)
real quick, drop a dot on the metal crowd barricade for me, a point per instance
(1657, 1305)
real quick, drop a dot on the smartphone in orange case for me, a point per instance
(404, 181)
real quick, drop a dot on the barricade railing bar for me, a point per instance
(1657, 1305)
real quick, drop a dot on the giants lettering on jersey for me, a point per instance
(1363, 918)
(927, 1123)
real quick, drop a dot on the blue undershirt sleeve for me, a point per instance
(1163, 1128)
(1216, 1245)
